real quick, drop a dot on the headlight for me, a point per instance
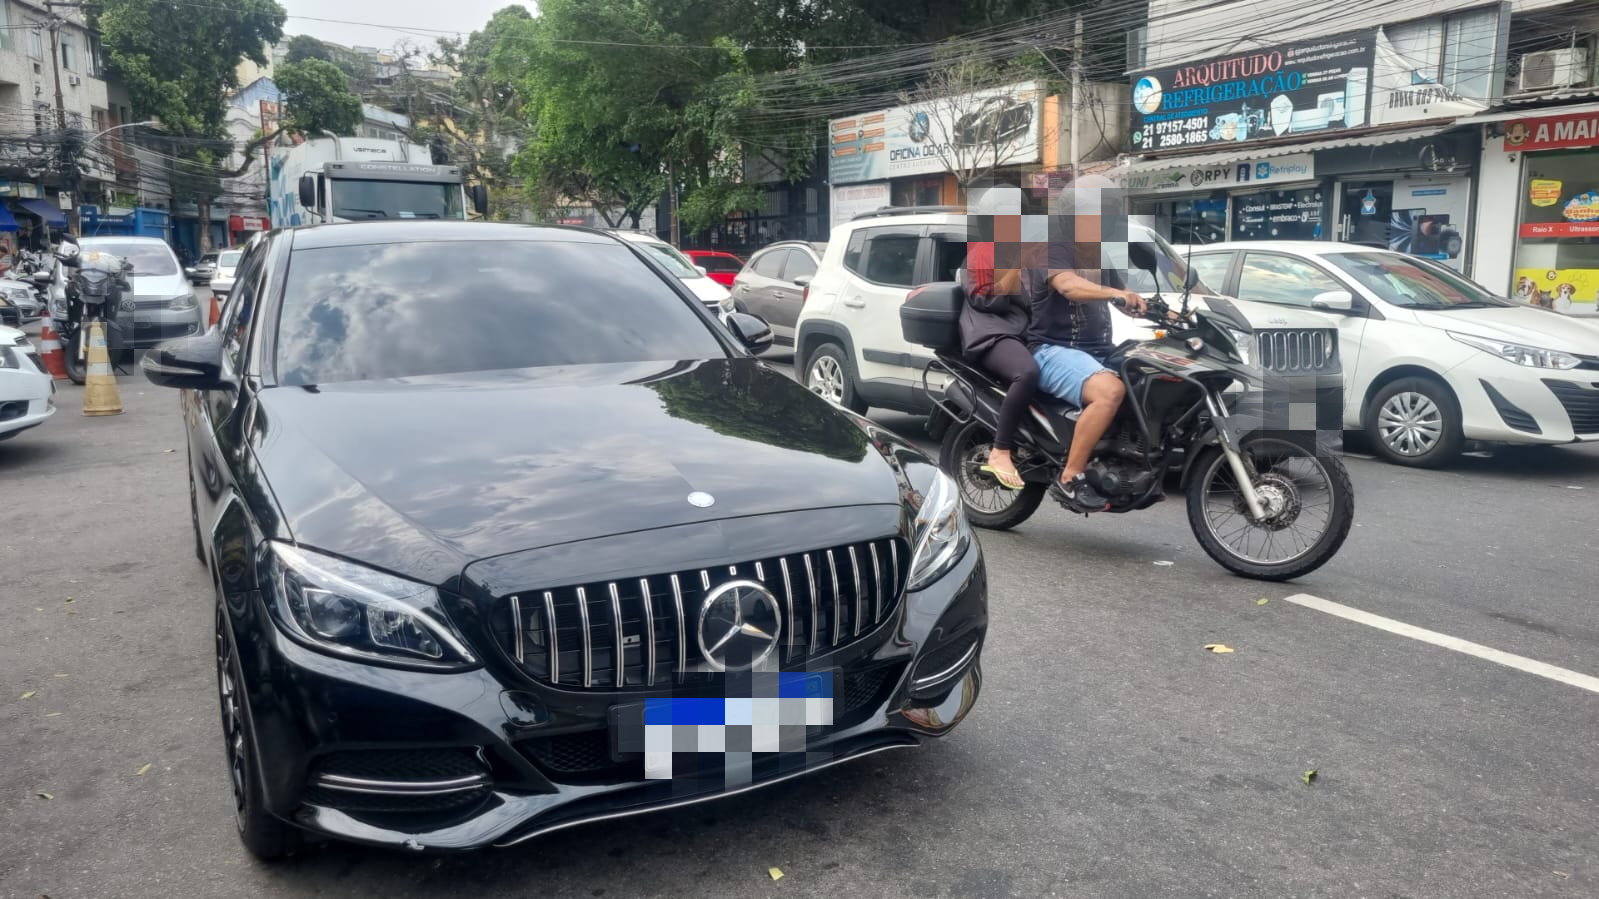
(942, 533)
(184, 303)
(9, 358)
(58, 307)
(1531, 357)
(1244, 344)
(345, 609)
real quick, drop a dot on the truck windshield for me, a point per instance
(363, 200)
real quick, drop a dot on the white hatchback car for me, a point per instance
(712, 294)
(226, 269)
(27, 392)
(1430, 359)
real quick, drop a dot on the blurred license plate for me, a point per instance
(759, 712)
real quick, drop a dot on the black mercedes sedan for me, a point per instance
(508, 533)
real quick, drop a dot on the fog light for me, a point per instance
(1195, 344)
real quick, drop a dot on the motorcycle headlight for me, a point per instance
(1531, 357)
(58, 307)
(942, 533)
(349, 610)
(183, 303)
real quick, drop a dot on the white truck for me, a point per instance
(347, 179)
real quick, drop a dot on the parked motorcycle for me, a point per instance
(94, 284)
(1267, 497)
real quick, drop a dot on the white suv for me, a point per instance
(848, 345)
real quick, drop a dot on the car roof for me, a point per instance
(709, 253)
(815, 246)
(348, 234)
(1302, 247)
(636, 236)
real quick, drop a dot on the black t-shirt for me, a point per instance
(1058, 321)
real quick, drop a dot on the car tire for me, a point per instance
(1415, 422)
(830, 375)
(265, 836)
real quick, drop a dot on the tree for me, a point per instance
(484, 126)
(316, 98)
(968, 119)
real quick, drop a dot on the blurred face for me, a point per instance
(1007, 228)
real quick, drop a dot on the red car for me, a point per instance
(720, 267)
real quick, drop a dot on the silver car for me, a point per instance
(162, 305)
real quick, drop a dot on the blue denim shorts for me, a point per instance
(1062, 371)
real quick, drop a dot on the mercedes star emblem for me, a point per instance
(740, 623)
(700, 499)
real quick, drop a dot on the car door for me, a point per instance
(788, 295)
(1280, 279)
(755, 286)
(874, 290)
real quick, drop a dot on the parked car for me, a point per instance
(1430, 359)
(201, 272)
(442, 644)
(710, 293)
(161, 305)
(27, 392)
(775, 281)
(10, 315)
(222, 276)
(20, 293)
(718, 266)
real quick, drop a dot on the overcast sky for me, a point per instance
(388, 20)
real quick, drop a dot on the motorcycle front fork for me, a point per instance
(1242, 472)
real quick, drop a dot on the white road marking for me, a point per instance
(1520, 663)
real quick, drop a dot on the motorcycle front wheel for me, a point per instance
(989, 504)
(1308, 500)
(77, 368)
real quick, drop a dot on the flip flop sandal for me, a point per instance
(1007, 479)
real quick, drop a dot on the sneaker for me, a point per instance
(1077, 496)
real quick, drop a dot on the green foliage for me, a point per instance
(487, 112)
(317, 98)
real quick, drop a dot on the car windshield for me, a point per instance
(677, 262)
(400, 310)
(1406, 281)
(229, 260)
(363, 200)
(719, 263)
(148, 258)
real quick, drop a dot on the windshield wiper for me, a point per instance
(1473, 304)
(375, 213)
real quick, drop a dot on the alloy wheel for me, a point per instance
(1410, 423)
(232, 719)
(826, 379)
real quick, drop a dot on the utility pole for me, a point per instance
(1077, 94)
(671, 174)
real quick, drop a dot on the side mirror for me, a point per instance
(1142, 256)
(701, 269)
(751, 330)
(308, 191)
(480, 200)
(1334, 301)
(1191, 280)
(187, 363)
(802, 281)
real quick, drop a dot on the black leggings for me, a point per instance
(1010, 361)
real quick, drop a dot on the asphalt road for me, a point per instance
(1109, 755)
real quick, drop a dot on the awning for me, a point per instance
(8, 222)
(52, 216)
(1375, 139)
(1538, 113)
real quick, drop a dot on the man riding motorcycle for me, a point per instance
(1070, 331)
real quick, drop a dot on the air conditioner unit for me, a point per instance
(1551, 69)
(74, 80)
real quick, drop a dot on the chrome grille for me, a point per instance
(152, 304)
(641, 632)
(1298, 350)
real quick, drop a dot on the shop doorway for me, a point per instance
(1366, 213)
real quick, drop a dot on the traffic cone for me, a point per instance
(216, 312)
(50, 352)
(100, 396)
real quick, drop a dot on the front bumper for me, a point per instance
(484, 735)
(1505, 403)
(27, 398)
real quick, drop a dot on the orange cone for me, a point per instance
(216, 311)
(50, 351)
(100, 395)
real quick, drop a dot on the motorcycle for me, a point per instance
(1267, 498)
(92, 292)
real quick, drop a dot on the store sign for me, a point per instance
(25, 190)
(848, 202)
(1559, 289)
(1405, 89)
(1552, 133)
(982, 129)
(1243, 173)
(1301, 88)
(1278, 215)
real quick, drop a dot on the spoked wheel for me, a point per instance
(267, 838)
(989, 504)
(1307, 500)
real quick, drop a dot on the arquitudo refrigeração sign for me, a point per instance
(1308, 87)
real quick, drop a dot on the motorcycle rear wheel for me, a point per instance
(1306, 485)
(988, 504)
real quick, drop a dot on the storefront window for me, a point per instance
(1278, 215)
(1557, 248)
(918, 191)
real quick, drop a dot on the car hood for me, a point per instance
(9, 336)
(425, 475)
(1527, 325)
(705, 289)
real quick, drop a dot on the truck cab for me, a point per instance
(354, 179)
